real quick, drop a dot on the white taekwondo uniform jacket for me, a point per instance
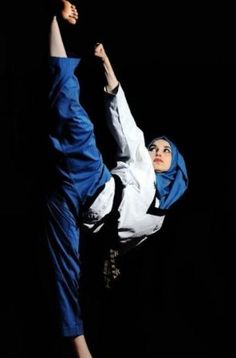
(135, 169)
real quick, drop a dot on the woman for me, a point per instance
(133, 195)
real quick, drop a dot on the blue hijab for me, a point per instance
(171, 184)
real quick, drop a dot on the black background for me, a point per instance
(175, 63)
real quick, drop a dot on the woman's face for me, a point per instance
(161, 155)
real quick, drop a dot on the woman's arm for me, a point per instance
(112, 81)
(129, 137)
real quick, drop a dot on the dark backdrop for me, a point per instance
(175, 64)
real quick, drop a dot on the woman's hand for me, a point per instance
(100, 52)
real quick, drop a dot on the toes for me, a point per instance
(72, 19)
(69, 12)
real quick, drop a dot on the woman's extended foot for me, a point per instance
(69, 12)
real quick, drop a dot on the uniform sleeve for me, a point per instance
(129, 138)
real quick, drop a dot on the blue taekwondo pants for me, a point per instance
(80, 173)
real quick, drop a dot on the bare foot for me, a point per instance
(69, 12)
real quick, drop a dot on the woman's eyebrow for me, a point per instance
(167, 146)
